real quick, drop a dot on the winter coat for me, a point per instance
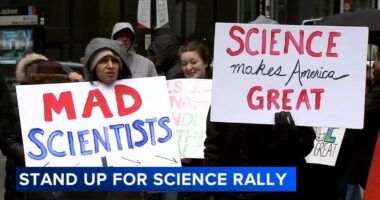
(232, 144)
(364, 140)
(92, 48)
(139, 65)
(6, 113)
(13, 142)
(166, 47)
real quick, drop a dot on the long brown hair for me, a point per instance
(203, 52)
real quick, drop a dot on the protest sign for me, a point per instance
(128, 123)
(190, 101)
(326, 146)
(311, 71)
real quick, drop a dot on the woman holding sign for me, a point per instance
(195, 61)
(106, 62)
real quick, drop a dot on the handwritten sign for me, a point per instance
(128, 123)
(312, 71)
(190, 101)
(326, 146)
(143, 14)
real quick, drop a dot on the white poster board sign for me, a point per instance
(162, 14)
(326, 146)
(315, 72)
(143, 14)
(128, 123)
(190, 101)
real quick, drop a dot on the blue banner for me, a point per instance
(164, 179)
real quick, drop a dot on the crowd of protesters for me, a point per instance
(226, 144)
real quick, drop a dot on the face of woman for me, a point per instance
(192, 65)
(107, 69)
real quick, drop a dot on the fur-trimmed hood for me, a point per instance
(25, 62)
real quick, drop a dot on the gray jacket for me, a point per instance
(139, 65)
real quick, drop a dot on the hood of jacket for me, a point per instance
(124, 26)
(25, 62)
(263, 20)
(97, 44)
(166, 47)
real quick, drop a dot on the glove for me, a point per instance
(283, 119)
(284, 124)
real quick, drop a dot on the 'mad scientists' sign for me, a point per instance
(128, 123)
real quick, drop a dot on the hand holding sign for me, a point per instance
(285, 126)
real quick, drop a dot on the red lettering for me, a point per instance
(289, 37)
(331, 44)
(303, 98)
(237, 39)
(309, 41)
(177, 87)
(273, 41)
(300, 42)
(286, 100)
(91, 103)
(264, 42)
(121, 90)
(248, 49)
(260, 106)
(318, 93)
(272, 97)
(51, 103)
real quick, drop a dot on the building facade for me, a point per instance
(70, 24)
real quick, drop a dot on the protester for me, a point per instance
(7, 118)
(364, 140)
(33, 69)
(6, 112)
(163, 53)
(105, 61)
(139, 65)
(281, 144)
(195, 61)
(284, 144)
(98, 52)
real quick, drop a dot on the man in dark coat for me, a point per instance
(284, 144)
(163, 53)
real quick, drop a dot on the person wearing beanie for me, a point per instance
(139, 65)
(163, 53)
(105, 61)
(106, 65)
